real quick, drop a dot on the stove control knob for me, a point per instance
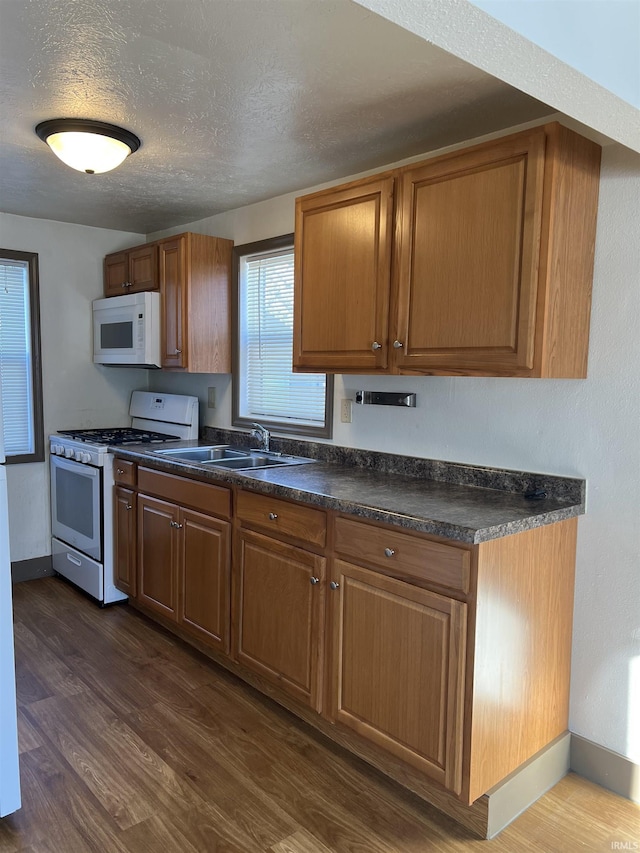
(86, 457)
(68, 452)
(78, 456)
(55, 449)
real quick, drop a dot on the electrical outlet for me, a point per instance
(345, 411)
(211, 401)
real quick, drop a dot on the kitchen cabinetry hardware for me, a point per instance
(389, 552)
(376, 346)
(120, 471)
(334, 585)
(314, 581)
(273, 516)
(397, 344)
(178, 352)
(129, 506)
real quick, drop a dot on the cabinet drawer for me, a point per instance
(287, 519)
(403, 555)
(124, 472)
(213, 500)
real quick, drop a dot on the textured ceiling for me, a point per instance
(235, 101)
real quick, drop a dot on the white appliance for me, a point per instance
(9, 770)
(82, 486)
(126, 330)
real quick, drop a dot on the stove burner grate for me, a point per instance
(119, 435)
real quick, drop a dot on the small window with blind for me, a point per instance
(265, 389)
(20, 375)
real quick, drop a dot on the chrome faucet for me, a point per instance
(263, 436)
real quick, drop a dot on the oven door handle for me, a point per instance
(72, 465)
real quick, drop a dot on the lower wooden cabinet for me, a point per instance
(443, 664)
(398, 669)
(124, 548)
(158, 556)
(203, 570)
(279, 605)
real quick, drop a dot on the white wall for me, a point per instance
(76, 393)
(588, 428)
(600, 38)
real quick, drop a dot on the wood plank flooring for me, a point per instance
(131, 742)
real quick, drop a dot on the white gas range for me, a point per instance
(82, 486)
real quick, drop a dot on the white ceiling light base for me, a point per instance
(92, 147)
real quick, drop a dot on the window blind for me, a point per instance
(16, 358)
(268, 388)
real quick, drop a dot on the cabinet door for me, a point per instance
(158, 555)
(116, 272)
(143, 269)
(468, 259)
(279, 606)
(342, 277)
(125, 541)
(399, 654)
(204, 578)
(173, 284)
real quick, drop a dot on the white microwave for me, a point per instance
(126, 330)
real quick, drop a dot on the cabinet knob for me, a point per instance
(314, 581)
(398, 344)
(175, 524)
(178, 352)
(119, 471)
(126, 284)
(273, 516)
(129, 506)
(334, 585)
(375, 346)
(389, 552)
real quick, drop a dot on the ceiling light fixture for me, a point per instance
(88, 146)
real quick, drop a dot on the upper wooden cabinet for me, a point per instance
(195, 282)
(131, 271)
(193, 274)
(484, 267)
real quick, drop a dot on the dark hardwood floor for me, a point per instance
(131, 741)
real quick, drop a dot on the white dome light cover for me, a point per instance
(92, 147)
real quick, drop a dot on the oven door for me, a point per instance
(76, 511)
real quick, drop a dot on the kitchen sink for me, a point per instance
(258, 460)
(231, 457)
(205, 454)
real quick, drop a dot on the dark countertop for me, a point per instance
(453, 510)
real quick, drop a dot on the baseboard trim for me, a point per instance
(527, 783)
(29, 570)
(606, 768)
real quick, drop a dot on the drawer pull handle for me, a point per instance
(389, 552)
(119, 471)
(334, 585)
(314, 581)
(73, 559)
(273, 516)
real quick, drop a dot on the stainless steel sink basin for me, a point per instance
(204, 454)
(258, 460)
(231, 457)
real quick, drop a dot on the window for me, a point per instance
(20, 374)
(264, 387)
